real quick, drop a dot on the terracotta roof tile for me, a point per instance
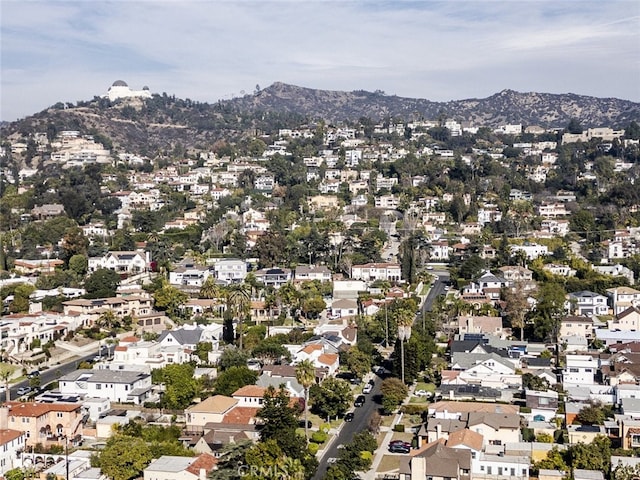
(204, 461)
(249, 391)
(241, 415)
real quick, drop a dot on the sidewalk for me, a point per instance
(384, 445)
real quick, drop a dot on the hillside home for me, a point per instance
(437, 462)
(37, 267)
(531, 250)
(230, 270)
(558, 269)
(181, 468)
(12, 443)
(45, 423)
(274, 277)
(480, 324)
(627, 320)
(118, 386)
(210, 410)
(579, 370)
(587, 303)
(121, 262)
(622, 298)
(320, 356)
(305, 273)
(376, 271)
(573, 326)
(516, 274)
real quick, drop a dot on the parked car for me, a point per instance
(34, 374)
(399, 448)
(422, 393)
(400, 442)
(348, 417)
(23, 391)
(367, 388)
(360, 401)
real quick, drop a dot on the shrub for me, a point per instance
(398, 427)
(413, 409)
(319, 437)
(313, 448)
(325, 427)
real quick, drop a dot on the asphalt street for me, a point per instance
(349, 429)
(53, 373)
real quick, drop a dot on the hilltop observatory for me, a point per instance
(120, 89)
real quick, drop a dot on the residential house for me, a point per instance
(218, 435)
(230, 270)
(558, 269)
(376, 271)
(496, 428)
(487, 370)
(44, 423)
(531, 250)
(627, 320)
(623, 298)
(37, 267)
(47, 211)
(480, 324)
(210, 410)
(304, 273)
(579, 370)
(187, 273)
(344, 308)
(617, 270)
(119, 386)
(587, 303)
(573, 326)
(320, 356)
(543, 404)
(516, 273)
(130, 262)
(12, 443)
(274, 277)
(437, 462)
(169, 467)
(584, 433)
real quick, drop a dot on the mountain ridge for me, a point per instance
(154, 125)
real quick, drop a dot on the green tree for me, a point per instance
(516, 306)
(394, 391)
(331, 398)
(102, 283)
(78, 264)
(180, 386)
(20, 302)
(548, 313)
(267, 461)
(202, 351)
(534, 382)
(591, 414)
(74, 243)
(239, 305)
(124, 457)
(232, 357)
(593, 456)
(306, 376)
(170, 299)
(357, 361)
(6, 371)
(234, 378)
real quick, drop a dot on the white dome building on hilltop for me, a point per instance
(120, 89)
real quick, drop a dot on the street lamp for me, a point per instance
(66, 457)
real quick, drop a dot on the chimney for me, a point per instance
(203, 474)
(438, 431)
(4, 417)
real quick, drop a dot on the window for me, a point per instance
(635, 440)
(59, 414)
(489, 470)
(513, 472)
(98, 386)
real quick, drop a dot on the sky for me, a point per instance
(67, 51)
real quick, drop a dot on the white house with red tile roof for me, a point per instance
(169, 467)
(11, 442)
(316, 354)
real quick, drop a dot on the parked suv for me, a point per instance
(23, 391)
(367, 388)
(360, 401)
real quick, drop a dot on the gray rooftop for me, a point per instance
(170, 463)
(104, 376)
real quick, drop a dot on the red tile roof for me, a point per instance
(204, 461)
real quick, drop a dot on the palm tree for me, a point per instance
(306, 376)
(405, 321)
(239, 304)
(210, 289)
(6, 370)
